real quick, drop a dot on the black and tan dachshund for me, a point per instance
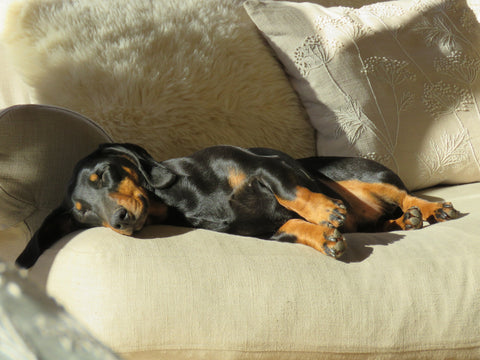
(257, 192)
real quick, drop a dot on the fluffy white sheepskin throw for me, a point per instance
(173, 76)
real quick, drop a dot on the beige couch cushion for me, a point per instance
(395, 81)
(174, 293)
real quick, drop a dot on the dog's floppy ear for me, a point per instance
(156, 174)
(57, 224)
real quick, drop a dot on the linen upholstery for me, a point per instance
(181, 293)
(174, 293)
(26, 312)
(394, 81)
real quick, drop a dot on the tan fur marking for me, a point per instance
(93, 177)
(78, 206)
(400, 224)
(236, 178)
(313, 207)
(305, 233)
(309, 234)
(129, 195)
(131, 172)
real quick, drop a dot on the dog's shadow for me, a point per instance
(161, 231)
(361, 245)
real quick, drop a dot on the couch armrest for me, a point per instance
(39, 145)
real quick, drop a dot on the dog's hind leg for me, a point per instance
(417, 210)
(369, 203)
(316, 208)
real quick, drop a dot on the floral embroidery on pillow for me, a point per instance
(401, 84)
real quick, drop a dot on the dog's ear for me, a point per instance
(156, 174)
(57, 224)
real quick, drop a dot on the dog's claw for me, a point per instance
(337, 218)
(338, 213)
(335, 245)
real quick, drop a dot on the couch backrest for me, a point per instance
(172, 76)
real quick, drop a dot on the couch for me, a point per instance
(396, 82)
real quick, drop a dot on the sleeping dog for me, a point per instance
(257, 192)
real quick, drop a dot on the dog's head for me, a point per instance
(111, 187)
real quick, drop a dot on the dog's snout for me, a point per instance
(121, 218)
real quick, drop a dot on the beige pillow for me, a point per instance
(395, 81)
(174, 76)
(39, 146)
(12, 89)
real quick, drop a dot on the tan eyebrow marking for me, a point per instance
(131, 172)
(78, 206)
(93, 177)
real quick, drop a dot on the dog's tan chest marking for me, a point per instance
(236, 178)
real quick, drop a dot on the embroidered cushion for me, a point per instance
(395, 81)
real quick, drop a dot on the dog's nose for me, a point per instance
(120, 219)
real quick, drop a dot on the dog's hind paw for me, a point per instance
(412, 219)
(445, 212)
(334, 245)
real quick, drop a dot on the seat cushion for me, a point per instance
(176, 293)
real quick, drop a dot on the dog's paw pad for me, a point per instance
(446, 212)
(413, 218)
